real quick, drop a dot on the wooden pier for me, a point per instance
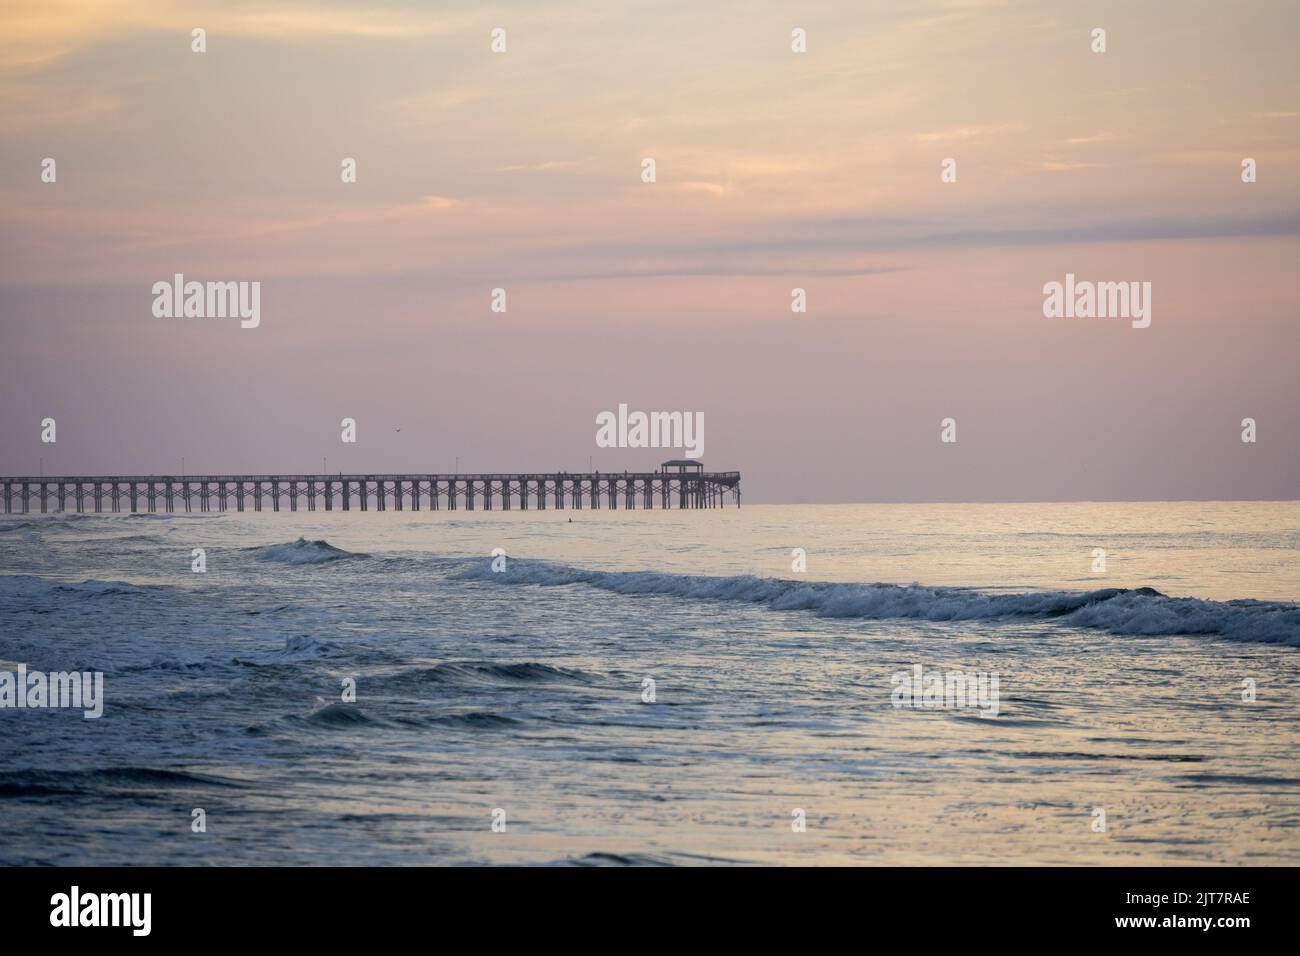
(676, 485)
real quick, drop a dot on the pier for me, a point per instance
(675, 485)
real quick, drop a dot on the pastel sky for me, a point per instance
(775, 170)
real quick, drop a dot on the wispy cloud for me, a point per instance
(968, 133)
(38, 32)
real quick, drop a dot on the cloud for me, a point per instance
(971, 133)
(1061, 165)
(837, 245)
(1106, 136)
(26, 107)
(38, 32)
(550, 165)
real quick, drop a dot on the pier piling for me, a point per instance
(677, 484)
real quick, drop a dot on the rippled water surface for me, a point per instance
(522, 690)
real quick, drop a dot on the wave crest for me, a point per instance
(1125, 611)
(485, 672)
(32, 587)
(303, 551)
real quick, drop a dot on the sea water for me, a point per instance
(657, 686)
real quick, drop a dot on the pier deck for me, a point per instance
(370, 492)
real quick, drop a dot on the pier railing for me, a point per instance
(369, 492)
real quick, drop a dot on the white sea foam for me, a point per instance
(1139, 611)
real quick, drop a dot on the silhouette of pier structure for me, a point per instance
(676, 484)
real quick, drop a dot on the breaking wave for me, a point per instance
(484, 672)
(102, 782)
(29, 586)
(303, 551)
(339, 715)
(298, 648)
(1126, 611)
(475, 720)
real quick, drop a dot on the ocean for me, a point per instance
(658, 687)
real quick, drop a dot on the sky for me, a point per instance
(774, 170)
